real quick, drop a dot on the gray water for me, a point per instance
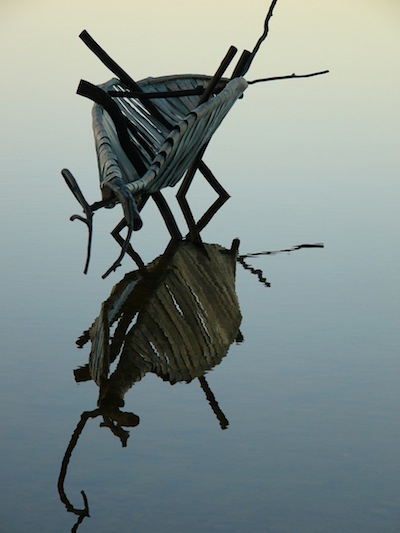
(311, 393)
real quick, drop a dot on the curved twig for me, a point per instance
(117, 430)
(64, 466)
(256, 271)
(74, 187)
(261, 39)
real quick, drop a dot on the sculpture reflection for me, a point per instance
(176, 318)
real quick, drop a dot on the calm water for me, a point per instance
(311, 393)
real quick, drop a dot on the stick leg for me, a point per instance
(167, 215)
(223, 421)
(182, 201)
(196, 227)
(116, 233)
(223, 196)
(125, 243)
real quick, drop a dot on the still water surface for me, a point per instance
(311, 390)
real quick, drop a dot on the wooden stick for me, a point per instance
(218, 75)
(96, 94)
(241, 64)
(108, 61)
(121, 74)
(197, 91)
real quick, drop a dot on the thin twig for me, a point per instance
(262, 38)
(288, 77)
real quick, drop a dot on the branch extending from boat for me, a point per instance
(288, 77)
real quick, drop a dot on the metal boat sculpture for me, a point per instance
(151, 133)
(148, 135)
